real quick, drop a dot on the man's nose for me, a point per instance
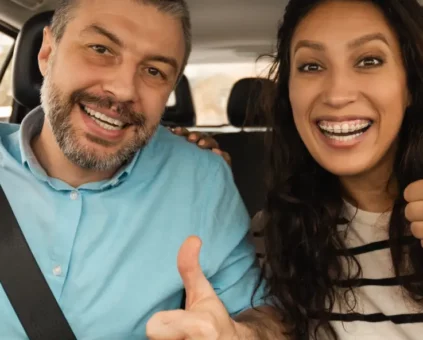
(122, 83)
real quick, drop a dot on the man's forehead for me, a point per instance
(129, 8)
(136, 26)
(125, 16)
(108, 3)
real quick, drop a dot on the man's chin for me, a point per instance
(94, 161)
(101, 143)
(98, 155)
(92, 151)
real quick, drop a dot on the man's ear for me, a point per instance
(45, 50)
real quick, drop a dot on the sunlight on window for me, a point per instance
(172, 100)
(211, 85)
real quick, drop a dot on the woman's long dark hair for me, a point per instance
(304, 201)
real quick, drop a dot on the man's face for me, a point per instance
(107, 81)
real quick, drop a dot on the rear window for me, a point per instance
(211, 85)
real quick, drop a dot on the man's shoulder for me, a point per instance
(7, 129)
(179, 154)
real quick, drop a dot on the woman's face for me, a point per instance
(347, 86)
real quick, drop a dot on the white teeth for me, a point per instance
(106, 126)
(343, 138)
(116, 124)
(343, 127)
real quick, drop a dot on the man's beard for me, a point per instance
(58, 107)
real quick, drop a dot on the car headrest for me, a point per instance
(183, 112)
(27, 79)
(245, 105)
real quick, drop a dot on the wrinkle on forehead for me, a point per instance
(139, 26)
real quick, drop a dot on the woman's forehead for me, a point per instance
(343, 21)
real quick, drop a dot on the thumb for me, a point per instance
(196, 284)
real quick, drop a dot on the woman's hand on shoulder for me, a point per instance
(203, 141)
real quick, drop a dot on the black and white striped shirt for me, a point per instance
(383, 311)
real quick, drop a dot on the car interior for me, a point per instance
(219, 93)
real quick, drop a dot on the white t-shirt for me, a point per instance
(383, 310)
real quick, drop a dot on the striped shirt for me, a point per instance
(383, 309)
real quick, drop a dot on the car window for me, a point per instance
(172, 100)
(211, 85)
(6, 44)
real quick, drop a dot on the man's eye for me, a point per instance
(154, 72)
(100, 49)
(310, 68)
(370, 62)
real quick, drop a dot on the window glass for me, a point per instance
(211, 85)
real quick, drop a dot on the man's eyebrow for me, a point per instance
(98, 29)
(163, 59)
(351, 45)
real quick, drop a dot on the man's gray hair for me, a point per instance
(176, 8)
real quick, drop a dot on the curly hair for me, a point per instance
(304, 201)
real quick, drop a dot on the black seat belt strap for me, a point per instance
(25, 285)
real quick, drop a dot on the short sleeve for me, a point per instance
(228, 257)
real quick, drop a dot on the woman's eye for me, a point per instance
(310, 68)
(370, 62)
(100, 49)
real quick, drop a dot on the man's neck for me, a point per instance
(57, 165)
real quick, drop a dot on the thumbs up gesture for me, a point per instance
(205, 316)
(414, 211)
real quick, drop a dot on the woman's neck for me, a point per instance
(374, 191)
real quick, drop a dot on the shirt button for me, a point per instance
(74, 195)
(57, 271)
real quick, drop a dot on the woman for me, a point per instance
(347, 140)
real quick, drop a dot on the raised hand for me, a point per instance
(414, 211)
(205, 317)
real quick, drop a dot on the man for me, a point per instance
(106, 197)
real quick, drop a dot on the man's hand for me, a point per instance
(205, 317)
(203, 141)
(413, 194)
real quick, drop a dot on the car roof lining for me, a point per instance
(223, 30)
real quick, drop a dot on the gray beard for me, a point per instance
(57, 108)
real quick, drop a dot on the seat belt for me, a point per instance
(25, 285)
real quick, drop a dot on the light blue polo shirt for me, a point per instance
(108, 249)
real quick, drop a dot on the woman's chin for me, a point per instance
(347, 167)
